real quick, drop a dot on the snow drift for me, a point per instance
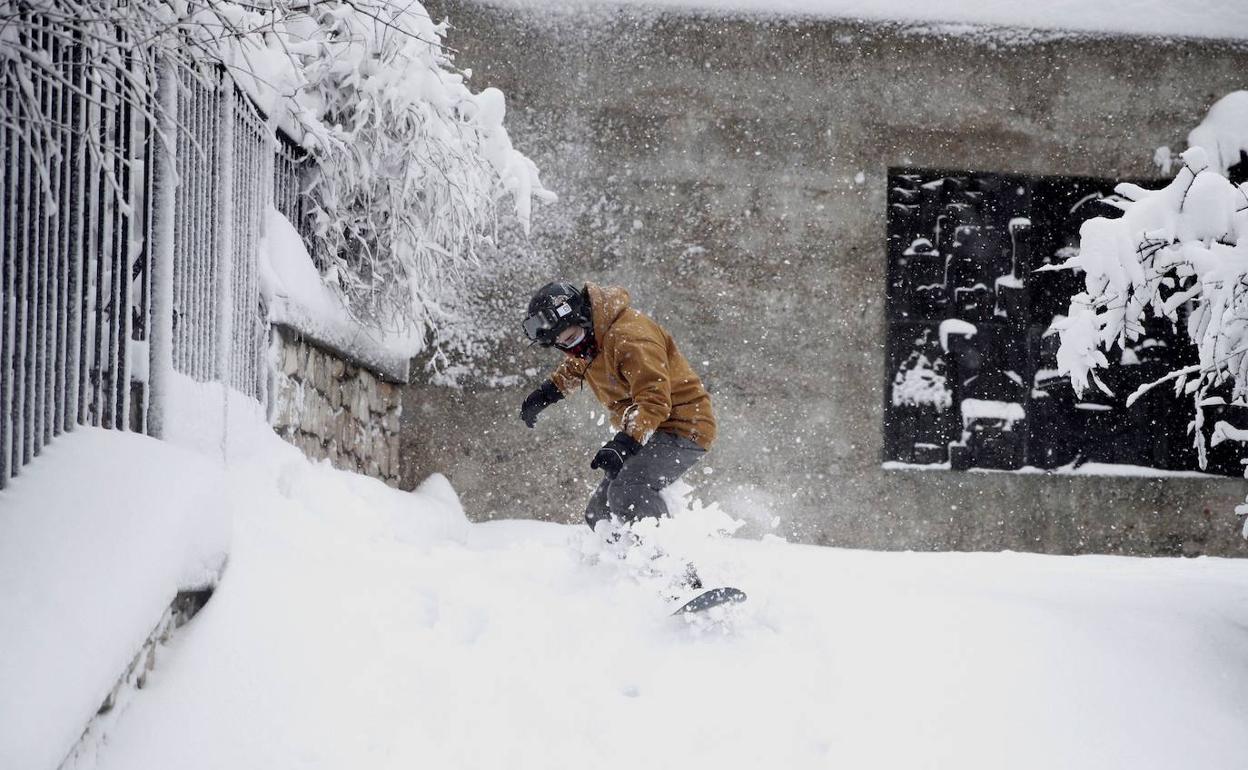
(360, 626)
(97, 536)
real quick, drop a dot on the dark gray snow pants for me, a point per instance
(634, 493)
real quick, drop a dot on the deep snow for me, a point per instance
(97, 535)
(358, 626)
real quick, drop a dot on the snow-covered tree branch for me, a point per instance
(410, 165)
(1179, 253)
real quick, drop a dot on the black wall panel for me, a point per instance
(971, 378)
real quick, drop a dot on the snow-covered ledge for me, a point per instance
(296, 297)
(334, 379)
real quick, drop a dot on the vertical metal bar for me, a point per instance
(191, 212)
(279, 192)
(203, 252)
(104, 255)
(108, 390)
(246, 182)
(179, 219)
(180, 216)
(197, 204)
(270, 147)
(51, 243)
(203, 207)
(241, 183)
(53, 232)
(143, 313)
(42, 299)
(51, 239)
(39, 262)
(131, 217)
(242, 219)
(56, 231)
(77, 234)
(196, 309)
(135, 393)
(60, 55)
(124, 157)
(23, 207)
(95, 243)
(226, 146)
(248, 308)
(212, 278)
(34, 271)
(91, 250)
(248, 300)
(165, 181)
(264, 150)
(212, 179)
(186, 318)
(91, 212)
(8, 294)
(107, 314)
(287, 177)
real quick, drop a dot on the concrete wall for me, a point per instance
(334, 409)
(711, 165)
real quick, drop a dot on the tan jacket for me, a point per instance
(638, 373)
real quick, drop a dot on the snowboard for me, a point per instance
(711, 598)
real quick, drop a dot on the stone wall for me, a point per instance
(333, 409)
(732, 173)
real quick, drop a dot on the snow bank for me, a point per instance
(1221, 19)
(210, 418)
(297, 297)
(360, 626)
(96, 538)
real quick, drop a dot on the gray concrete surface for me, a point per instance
(709, 165)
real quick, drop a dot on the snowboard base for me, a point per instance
(712, 598)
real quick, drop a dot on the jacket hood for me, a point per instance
(607, 303)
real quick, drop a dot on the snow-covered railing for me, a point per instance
(82, 315)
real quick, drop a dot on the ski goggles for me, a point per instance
(540, 327)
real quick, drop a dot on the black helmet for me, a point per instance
(554, 308)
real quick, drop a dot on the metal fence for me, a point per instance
(228, 182)
(290, 167)
(77, 227)
(72, 229)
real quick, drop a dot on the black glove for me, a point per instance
(614, 453)
(538, 400)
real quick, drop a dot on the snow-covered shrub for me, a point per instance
(1181, 248)
(410, 163)
(920, 382)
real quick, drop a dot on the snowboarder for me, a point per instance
(659, 408)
